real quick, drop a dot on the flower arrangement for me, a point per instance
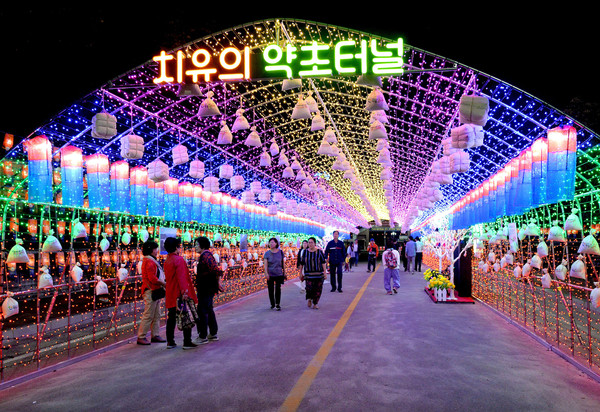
(430, 273)
(440, 282)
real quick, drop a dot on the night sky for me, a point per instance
(53, 55)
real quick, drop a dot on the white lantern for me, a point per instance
(240, 123)
(255, 186)
(264, 195)
(253, 139)
(301, 110)
(274, 148)
(208, 107)
(104, 126)
(180, 155)
(225, 171)
(211, 184)
(196, 169)
(132, 147)
(265, 159)
(473, 109)
(158, 171)
(376, 100)
(225, 136)
(237, 182)
(318, 123)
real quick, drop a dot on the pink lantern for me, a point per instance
(71, 162)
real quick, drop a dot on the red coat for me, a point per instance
(178, 279)
(149, 275)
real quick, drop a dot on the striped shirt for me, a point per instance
(313, 263)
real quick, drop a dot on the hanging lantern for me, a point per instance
(318, 123)
(225, 209)
(237, 183)
(234, 217)
(376, 100)
(255, 187)
(180, 155)
(156, 194)
(264, 195)
(206, 206)
(241, 123)
(539, 171)
(208, 107)
(473, 109)
(158, 171)
(324, 148)
(289, 84)
(225, 136)
(132, 146)
(104, 125)
(562, 162)
(377, 130)
(186, 199)
(215, 206)
(71, 163)
(196, 169)
(39, 180)
(211, 184)
(171, 199)
(225, 171)
(311, 103)
(138, 180)
(524, 194)
(97, 174)
(253, 139)
(119, 186)
(301, 110)
(8, 142)
(265, 159)
(274, 148)
(197, 203)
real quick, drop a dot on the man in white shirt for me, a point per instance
(391, 261)
(419, 254)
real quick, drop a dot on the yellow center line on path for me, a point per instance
(292, 402)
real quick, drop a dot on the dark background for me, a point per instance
(54, 54)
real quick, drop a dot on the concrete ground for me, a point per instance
(378, 353)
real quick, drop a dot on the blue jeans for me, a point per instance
(389, 274)
(333, 268)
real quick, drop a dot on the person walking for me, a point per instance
(373, 252)
(355, 251)
(208, 275)
(313, 273)
(153, 289)
(403, 254)
(350, 256)
(411, 252)
(179, 289)
(299, 258)
(418, 254)
(335, 254)
(391, 260)
(274, 272)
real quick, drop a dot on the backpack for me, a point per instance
(390, 260)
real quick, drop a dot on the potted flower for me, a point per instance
(440, 284)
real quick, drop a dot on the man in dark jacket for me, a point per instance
(335, 253)
(208, 274)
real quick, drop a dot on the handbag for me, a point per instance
(158, 293)
(184, 316)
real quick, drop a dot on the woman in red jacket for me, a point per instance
(179, 287)
(153, 278)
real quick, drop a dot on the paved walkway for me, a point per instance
(361, 351)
